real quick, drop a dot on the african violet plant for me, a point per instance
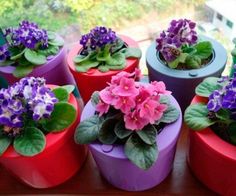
(220, 110)
(28, 111)
(28, 46)
(102, 49)
(180, 47)
(129, 113)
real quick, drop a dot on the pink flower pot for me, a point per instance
(123, 174)
(212, 160)
(59, 161)
(94, 80)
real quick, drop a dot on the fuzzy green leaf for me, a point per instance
(133, 53)
(193, 61)
(6, 63)
(62, 117)
(106, 134)
(120, 130)
(31, 142)
(22, 71)
(69, 88)
(104, 54)
(207, 86)
(116, 59)
(173, 64)
(203, 49)
(118, 45)
(57, 41)
(170, 115)
(5, 142)
(148, 134)
(35, 57)
(103, 68)
(141, 154)
(196, 117)
(51, 35)
(87, 131)
(164, 99)
(17, 56)
(50, 50)
(61, 94)
(80, 58)
(95, 98)
(86, 65)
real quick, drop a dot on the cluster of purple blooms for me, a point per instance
(98, 37)
(4, 53)
(180, 33)
(28, 35)
(225, 98)
(28, 98)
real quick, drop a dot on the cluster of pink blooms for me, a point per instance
(139, 103)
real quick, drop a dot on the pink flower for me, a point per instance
(102, 108)
(107, 96)
(147, 110)
(158, 113)
(134, 122)
(158, 87)
(137, 73)
(116, 79)
(126, 88)
(125, 104)
(143, 95)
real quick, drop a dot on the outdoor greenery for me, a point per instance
(56, 14)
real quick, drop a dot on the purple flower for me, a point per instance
(4, 53)
(215, 101)
(98, 38)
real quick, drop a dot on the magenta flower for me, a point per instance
(102, 108)
(126, 88)
(125, 104)
(133, 121)
(158, 88)
(107, 96)
(144, 93)
(147, 109)
(158, 113)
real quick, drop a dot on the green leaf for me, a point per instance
(103, 68)
(118, 45)
(116, 59)
(104, 54)
(232, 133)
(164, 99)
(61, 94)
(50, 50)
(17, 56)
(5, 142)
(223, 115)
(196, 117)
(34, 57)
(148, 134)
(86, 65)
(141, 154)
(87, 131)
(189, 50)
(95, 98)
(80, 58)
(6, 63)
(22, 71)
(203, 49)
(69, 88)
(31, 142)
(133, 53)
(173, 64)
(170, 115)
(51, 35)
(207, 86)
(193, 61)
(106, 134)
(182, 57)
(62, 117)
(120, 130)
(57, 41)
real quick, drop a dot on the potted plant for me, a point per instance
(37, 124)
(28, 50)
(132, 131)
(182, 59)
(211, 119)
(100, 55)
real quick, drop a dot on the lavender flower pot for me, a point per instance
(120, 172)
(182, 83)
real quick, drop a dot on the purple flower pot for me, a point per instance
(55, 71)
(122, 173)
(182, 83)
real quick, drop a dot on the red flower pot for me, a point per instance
(59, 161)
(94, 80)
(212, 160)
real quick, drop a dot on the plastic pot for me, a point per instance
(212, 160)
(182, 83)
(116, 168)
(59, 161)
(94, 80)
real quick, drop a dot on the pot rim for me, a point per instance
(163, 144)
(93, 71)
(213, 141)
(219, 59)
(52, 139)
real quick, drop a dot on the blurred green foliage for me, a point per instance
(56, 14)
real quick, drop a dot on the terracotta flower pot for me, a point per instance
(94, 80)
(182, 83)
(212, 160)
(120, 172)
(59, 161)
